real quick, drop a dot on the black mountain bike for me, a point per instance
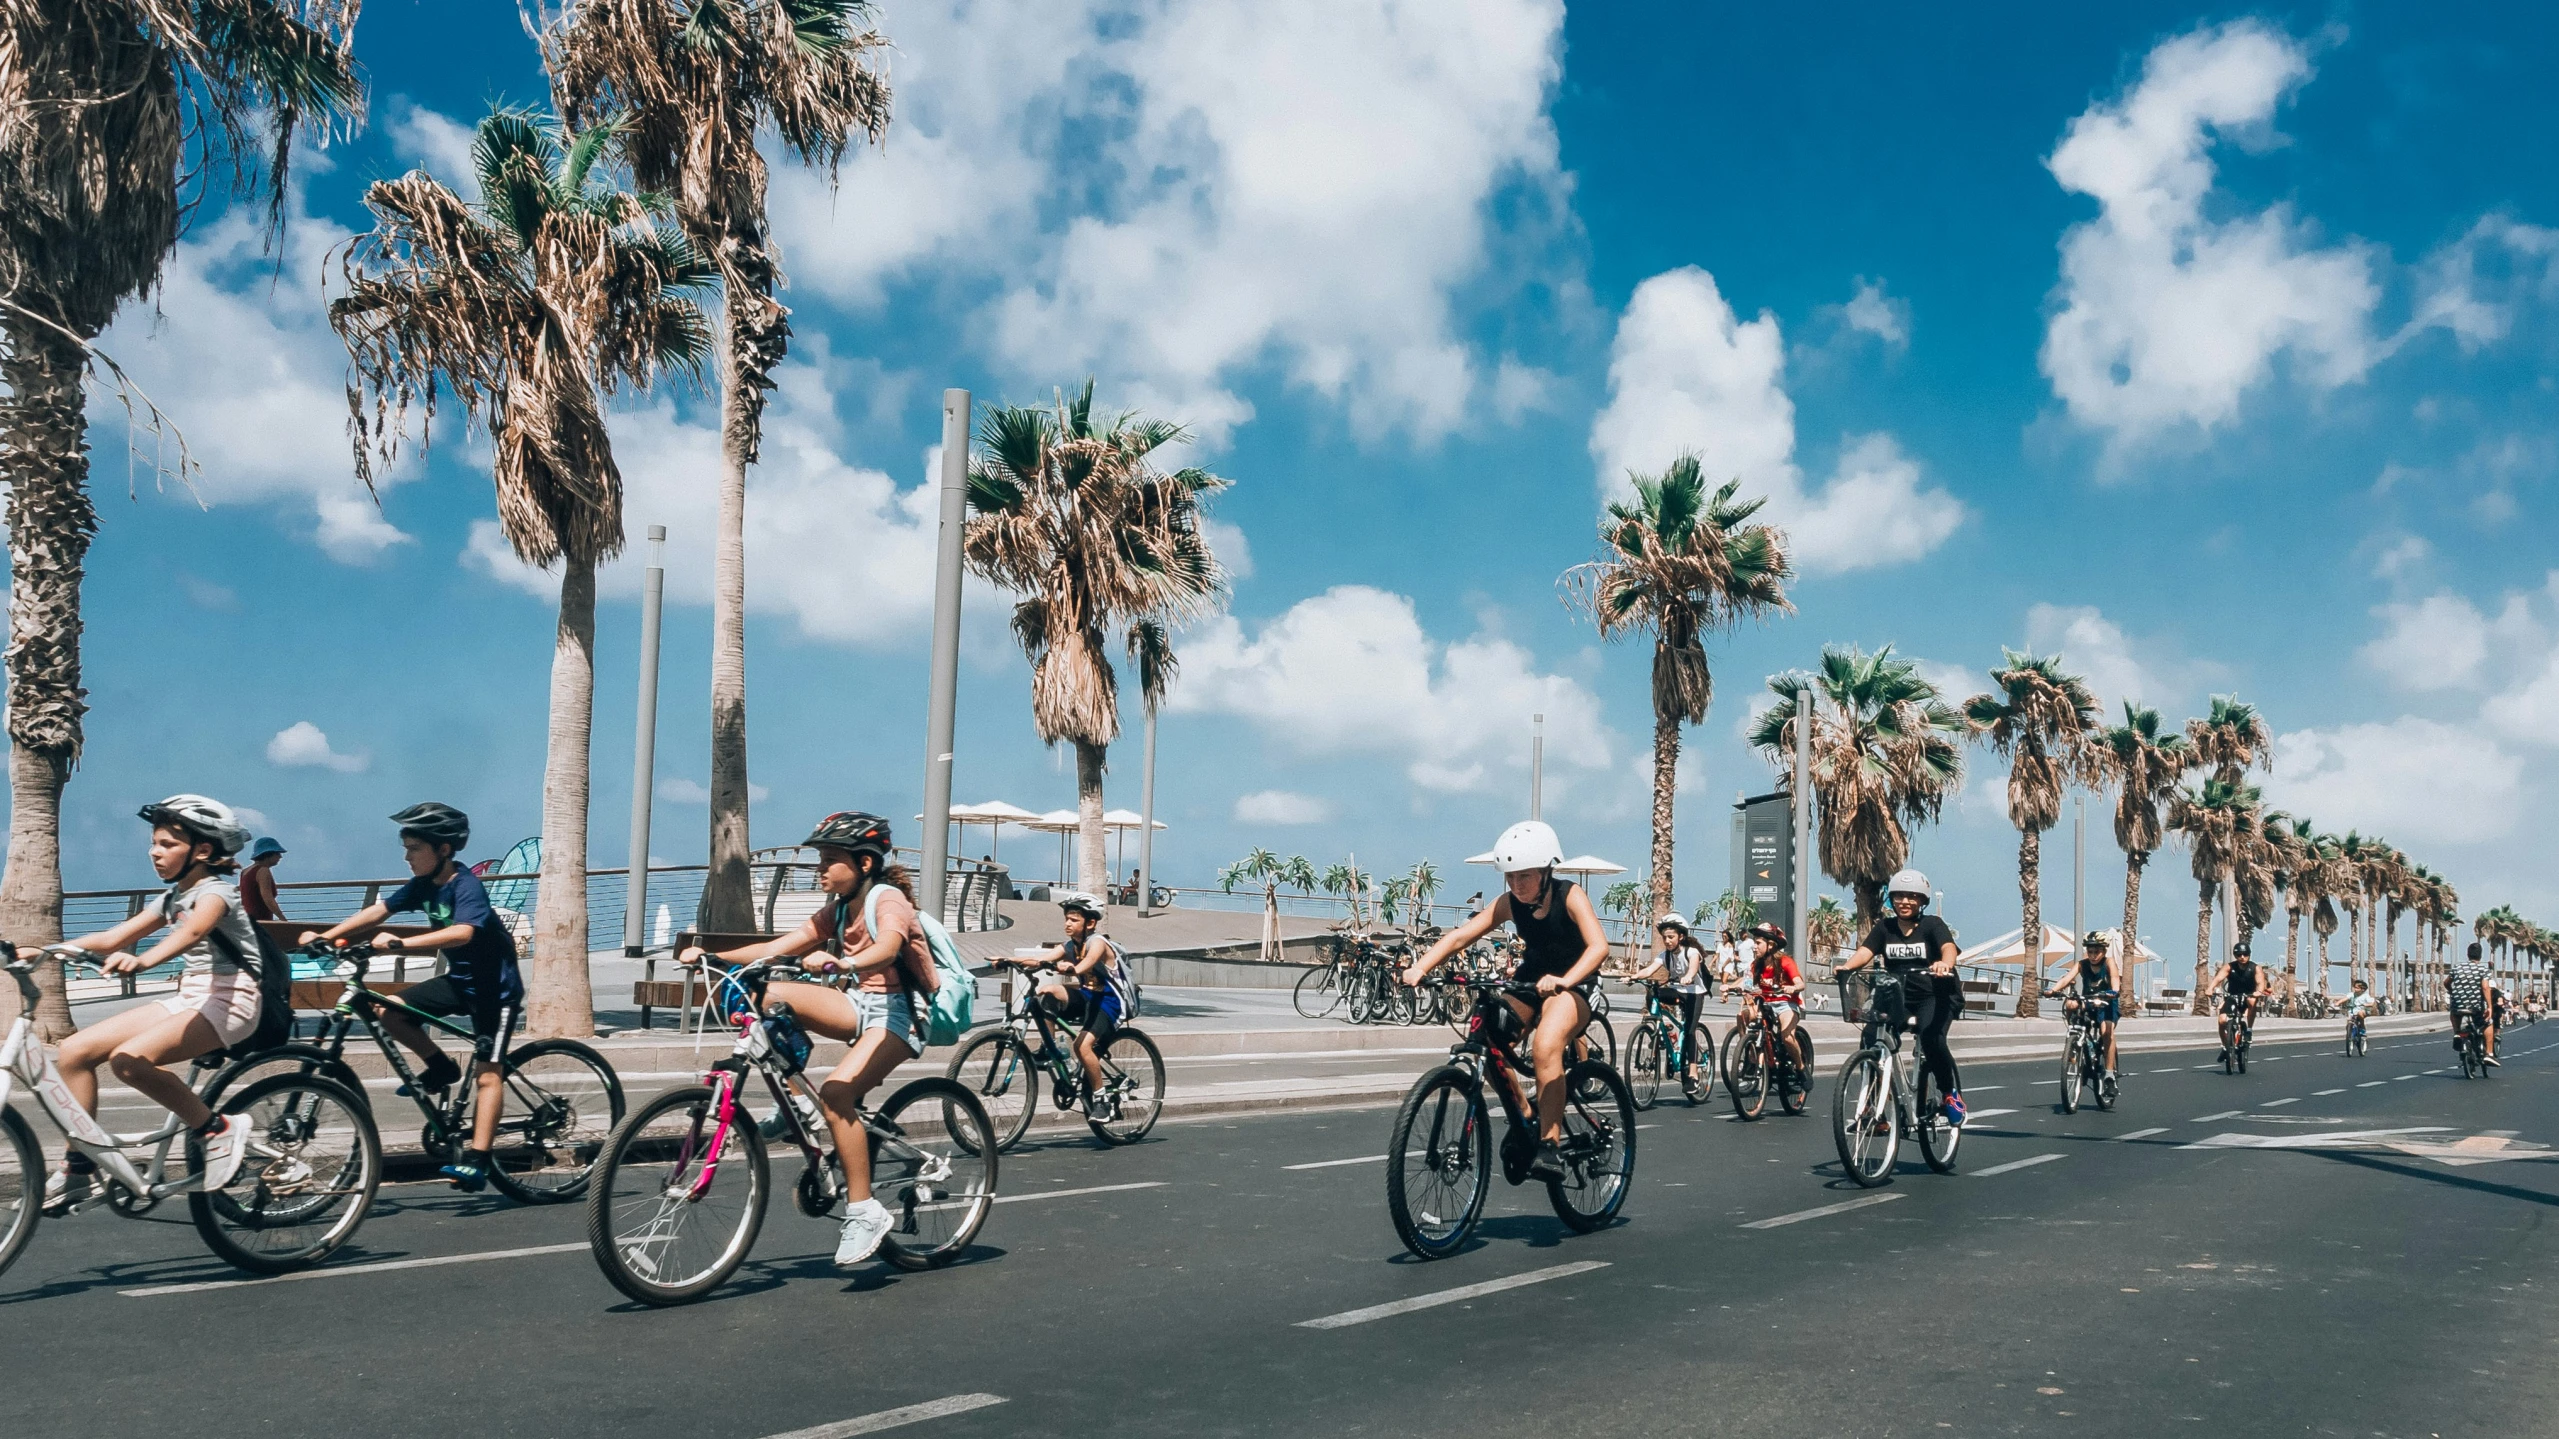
(1657, 1050)
(1002, 1065)
(1439, 1162)
(2471, 1043)
(2234, 1055)
(1757, 1067)
(2083, 1060)
(561, 1098)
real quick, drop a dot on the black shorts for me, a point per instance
(492, 1018)
(1092, 1009)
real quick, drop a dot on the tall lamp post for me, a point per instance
(644, 751)
(942, 707)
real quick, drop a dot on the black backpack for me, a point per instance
(274, 970)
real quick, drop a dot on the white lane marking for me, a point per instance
(1337, 1163)
(1800, 1215)
(2209, 1118)
(2323, 1093)
(2029, 1162)
(1972, 1114)
(2280, 1103)
(1349, 1317)
(345, 1271)
(2332, 1139)
(2372, 1084)
(894, 1418)
(1987, 1088)
(2397, 1077)
(2143, 1133)
(1071, 1193)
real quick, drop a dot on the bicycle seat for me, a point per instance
(213, 1059)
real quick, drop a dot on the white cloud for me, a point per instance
(2402, 557)
(239, 352)
(2417, 780)
(437, 144)
(2440, 642)
(1351, 671)
(1519, 389)
(1686, 373)
(678, 790)
(2096, 649)
(1279, 806)
(1227, 542)
(1871, 311)
(302, 745)
(2473, 285)
(2170, 307)
(1300, 186)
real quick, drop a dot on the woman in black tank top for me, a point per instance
(1563, 947)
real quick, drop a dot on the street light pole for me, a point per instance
(1536, 766)
(942, 709)
(1800, 933)
(2079, 872)
(1146, 825)
(644, 751)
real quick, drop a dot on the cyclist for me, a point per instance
(1682, 970)
(878, 1016)
(1776, 988)
(1091, 985)
(2360, 1007)
(480, 978)
(2242, 988)
(1562, 948)
(1921, 949)
(2470, 989)
(193, 840)
(2096, 982)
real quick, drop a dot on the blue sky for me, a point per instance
(2210, 347)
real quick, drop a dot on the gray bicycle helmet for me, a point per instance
(435, 823)
(209, 820)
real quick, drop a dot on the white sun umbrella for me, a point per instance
(1061, 822)
(996, 814)
(1589, 864)
(1121, 821)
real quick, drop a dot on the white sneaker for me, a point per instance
(66, 1190)
(865, 1225)
(224, 1151)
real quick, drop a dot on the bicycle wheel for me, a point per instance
(1598, 1147)
(1439, 1163)
(1746, 1074)
(1861, 1119)
(1937, 1137)
(1318, 992)
(1603, 1040)
(1795, 1082)
(2239, 1051)
(992, 1065)
(562, 1100)
(2107, 1086)
(304, 1186)
(2073, 1062)
(1133, 1089)
(933, 1165)
(1644, 1066)
(669, 1217)
(1699, 1064)
(21, 1185)
(283, 1059)
(1363, 996)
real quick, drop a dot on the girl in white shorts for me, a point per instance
(193, 840)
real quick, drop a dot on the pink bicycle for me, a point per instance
(679, 1194)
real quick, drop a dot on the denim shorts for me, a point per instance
(894, 1012)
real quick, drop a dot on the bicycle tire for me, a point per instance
(1795, 1088)
(1938, 1140)
(1861, 1119)
(1645, 1065)
(22, 1177)
(1363, 996)
(1598, 1147)
(307, 1059)
(1701, 1055)
(1605, 1048)
(2073, 1062)
(994, 1066)
(1745, 1082)
(1317, 984)
(939, 1191)
(298, 1212)
(632, 1211)
(562, 1101)
(1459, 1165)
(1130, 1056)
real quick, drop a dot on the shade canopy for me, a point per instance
(1589, 864)
(994, 811)
(1057, 820)
(2059, 945)
(1126, 819)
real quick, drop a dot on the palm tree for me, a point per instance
(2302, 879)
(1265, 868)
(2230, 738)
(2145, 768)
(2265, 863)
(112, 115)
(1076, 519)
(1885, 756)
(1349, 881)
(2216, 819)
(1829, 930)
(529, 307)
(1422, 884)
(699, 83)
(1682, 564)
(2331, 869)
(2044, 723)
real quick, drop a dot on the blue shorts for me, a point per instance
(894, 1012)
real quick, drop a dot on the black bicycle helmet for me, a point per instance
(852, 831)
(435, 823)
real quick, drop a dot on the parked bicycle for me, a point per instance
(1003, 1063)
(304, 1188)
(1657, 1050)
(1883, 1094)
(1321, 989)
(560, 1098)
(1757, 1065)
(1439, 1160)
(680, 1192)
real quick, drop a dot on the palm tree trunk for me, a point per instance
(1870, 905)
(558, 998)
(2292, 954)
(2198, 1003)
(2133, 862)
(1092, 862)
(2030, 934)
(1665, 781)
(754, 338)
(44, 459)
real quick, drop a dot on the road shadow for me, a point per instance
(759, 1276)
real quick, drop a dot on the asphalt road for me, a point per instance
(2242, 1254)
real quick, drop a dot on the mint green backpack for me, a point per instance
(949, 1010)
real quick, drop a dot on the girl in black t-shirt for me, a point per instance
(1921, 950)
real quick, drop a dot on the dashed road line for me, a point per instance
(895, 1418)
(350, 1270)
(1337, 1163)
(1459, 1295)
(2372, 1084)
(2029, 1162)
(2397, 1077)
(2322, 1093)
(2280, 1103)
(2225, 1114)
(1093, 1189)
(1845, 1205)
(2143, 1133)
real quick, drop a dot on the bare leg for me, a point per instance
(399, 1026)
(486, 1104)
(872, 1057)
(137, 1062)
(1559, 1023)
(81, 1054)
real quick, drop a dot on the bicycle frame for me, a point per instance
(24, 1061)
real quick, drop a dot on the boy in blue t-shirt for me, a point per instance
(480, 976)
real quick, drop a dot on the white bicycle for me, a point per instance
(306, 1183)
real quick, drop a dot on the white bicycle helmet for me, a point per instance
(209, 820)
(1908, 881)
(1529, 844)
(1079, 902)
(1672, 919)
